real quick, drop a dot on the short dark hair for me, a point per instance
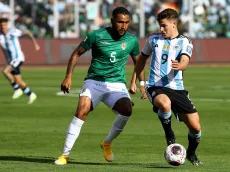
(120, 10)
(168, 13)
(3, 20)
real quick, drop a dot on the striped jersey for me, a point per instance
(162, 51)
(11, 45)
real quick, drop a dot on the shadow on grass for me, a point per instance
(50, 160)
(6, 102)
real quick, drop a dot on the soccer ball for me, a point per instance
(175, 154)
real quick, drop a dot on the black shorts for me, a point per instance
(16, 70)
(180, 102)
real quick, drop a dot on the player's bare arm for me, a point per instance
(139, 67)
(67, 82)
(141, 79)
(36, 46)
(182, 65)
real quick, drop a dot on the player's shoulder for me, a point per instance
(185, 38)
(128, 34)
(101, 30)
(14, 31)
(154, 36)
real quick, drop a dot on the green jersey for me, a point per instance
(109, 56)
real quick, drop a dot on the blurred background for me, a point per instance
(68, 21)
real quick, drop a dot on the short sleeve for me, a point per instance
(187, 48)
(89, 40)
(16, 32)
(147, 50)
(135, 51)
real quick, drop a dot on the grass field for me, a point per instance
(32, 136)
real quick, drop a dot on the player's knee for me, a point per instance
(165, 106)
(195, 134)
(20, 82)
(163, 102)
(196, 129)
(82, 112)
(123, 106)
(81, 115)
(127, 111)
(5, 72)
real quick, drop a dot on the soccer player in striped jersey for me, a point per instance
(105, 81)
(12, 49)
(170, 53)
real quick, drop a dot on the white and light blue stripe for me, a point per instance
(161, 73)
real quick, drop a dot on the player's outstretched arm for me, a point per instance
(139, 67)
(27, 32)
(67, 82)
(141, 78)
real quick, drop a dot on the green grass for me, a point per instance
(32, 136)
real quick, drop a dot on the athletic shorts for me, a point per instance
(107, 92)
(180, 102)
(16, 66)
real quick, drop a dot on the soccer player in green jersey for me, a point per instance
(105, 81)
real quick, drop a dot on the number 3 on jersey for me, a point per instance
(113, 57)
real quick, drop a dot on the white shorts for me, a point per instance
(106, 92)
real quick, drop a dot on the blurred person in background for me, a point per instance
(15, 58)
(105, 81)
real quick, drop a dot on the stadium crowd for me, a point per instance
(211, 18)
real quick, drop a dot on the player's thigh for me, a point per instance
(94, 91)
(192, 121)
(181, 104)
(7, 69)
(118, 98)
(162, 101)
(84, 107)
(159, 98)
(16, 64)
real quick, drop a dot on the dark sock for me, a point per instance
(27, 91)
(166, 123)
(192, 145)
(15, 85)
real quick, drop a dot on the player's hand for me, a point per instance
(37, 47)
(175, 65)
(133, 89)
(66, 84)
(143, 92)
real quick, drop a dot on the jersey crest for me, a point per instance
(123, 45)
(176, 47)
(166, 47)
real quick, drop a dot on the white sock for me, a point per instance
(72, 134)
(118, 126)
